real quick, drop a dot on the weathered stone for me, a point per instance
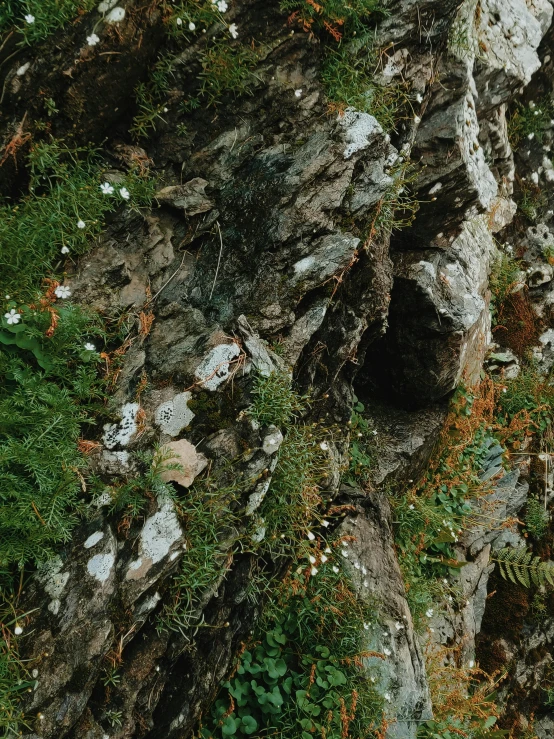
(183, 453)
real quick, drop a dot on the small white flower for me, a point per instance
(312, 560)
(222, 6)
(429, 612)
(364, 571)
(125, 194)
(30, 19)
(327, 550)
(12, 317)
(374, 432)
(471, 663)
(450, 599)
(324, 445)
(93, 39)
(366, 626)
(398, 626)
(64, 250)
(324, 558)
(116, 15)
(298, 93)
(417, 119)
(335, 569)
(233, 30)
(411, 506)
(314, 571)
(365, 583)
(325, 523)
(344, 553)
(311, 536)
(445, 581)
(179, 21)
(106, 188)
(386, 652)
(431, 630)
(90, 347)
(62, 292)
(387, 697)
(192, 26)
(357, 565)
(531, 136)
(18, 630)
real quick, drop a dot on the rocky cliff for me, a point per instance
(323, 327)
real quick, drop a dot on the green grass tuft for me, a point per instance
(49, 16)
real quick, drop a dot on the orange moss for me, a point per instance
(517, 324)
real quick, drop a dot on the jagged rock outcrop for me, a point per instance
(257, 239)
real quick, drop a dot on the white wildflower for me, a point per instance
(222, 6)
(64, 250)
(314, 571)
(323, 559)
(90, 347)
(387, 697)
(62, 292)
(398, 626)
(374, 432)
(344, 553)
(335, 569)
(116, 15)
(429, 612)
(30, 19)
(327, 550)
(312, 559)
(325, 523)
(386, 652)
(106, 188)
(311, 536)
(471, 663)
(298, 93)
(365, 583)
(179, 21)
(411, 506)
(366, 626)
(192, 26)
(18, 630)
(324, 445)
(12, 317)
(233, 30)
(125, 194)
(81, 223)
(93, 39)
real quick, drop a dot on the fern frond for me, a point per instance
(521, 567)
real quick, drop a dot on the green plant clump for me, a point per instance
(64, 209)
(529, 397)
(530, 121)
(274, 400)
(348, 77)
(338, 18)
(38, 19)
(520, 566)
(536, 519)
(304, 677)
(505, 275)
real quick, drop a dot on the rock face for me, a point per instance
(259, 255)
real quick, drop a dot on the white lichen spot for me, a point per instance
(100, 566)
(93, 539)
(272, 442)
(174, 414)
(214, 368)
(160, 532)
(361, 130)
(54, 582)
(256, 498)
(120, 434)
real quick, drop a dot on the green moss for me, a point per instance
(530, 121)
